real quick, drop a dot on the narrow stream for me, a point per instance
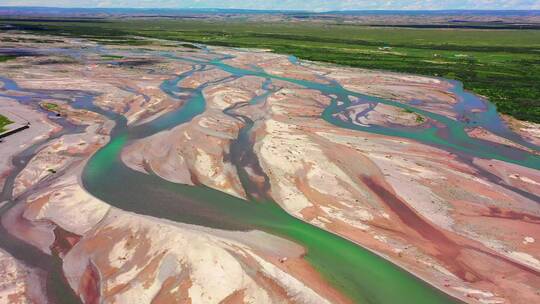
(451, 137)
(57, 289)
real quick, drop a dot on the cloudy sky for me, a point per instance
(317, 5)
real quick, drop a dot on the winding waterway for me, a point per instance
(360, 274)
(57, 289)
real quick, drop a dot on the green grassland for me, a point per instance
(50, 106)
(6, 58)
(111, 57)
(503, 65)
(4, 121)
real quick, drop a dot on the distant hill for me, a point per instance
(74, 12)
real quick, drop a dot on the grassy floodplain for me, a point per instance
(4, 121)
(6, 58)
(501, 64)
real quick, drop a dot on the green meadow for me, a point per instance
(503, 65)
(6, 58)
(4, 121)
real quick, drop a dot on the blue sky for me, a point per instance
(316, 5)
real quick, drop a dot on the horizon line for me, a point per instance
(276, 10)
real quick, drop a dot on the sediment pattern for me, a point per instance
(411, 168)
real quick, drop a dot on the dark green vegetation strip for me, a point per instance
(50, 106)
(4, 121)
(6, 57)
(503, 65)
(111, 57)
